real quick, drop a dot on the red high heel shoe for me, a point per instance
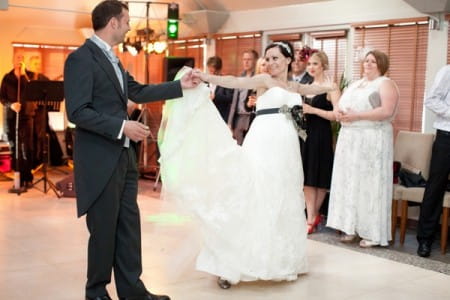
(317, 220)
(313, 227)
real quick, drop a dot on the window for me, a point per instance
(135, 65)
(230, 48)
(334, 44)
(190, 47)
(448, 39)
(52, 57)
(290, 37)
(405, 42)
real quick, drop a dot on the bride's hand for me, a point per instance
(188, 80)
(196, 73)
(329, 84)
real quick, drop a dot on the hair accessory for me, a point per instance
(286, 47)
(306, 52)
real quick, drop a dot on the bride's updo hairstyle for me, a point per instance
(285, 48)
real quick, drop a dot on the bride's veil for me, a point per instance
(203, 173)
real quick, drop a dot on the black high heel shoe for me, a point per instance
(223, 283)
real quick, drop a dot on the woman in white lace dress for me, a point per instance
(248, 198)
(361, 185)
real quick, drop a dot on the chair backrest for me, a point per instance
(413, 149)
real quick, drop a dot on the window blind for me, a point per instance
(406, 45)
(336, 49)
(230, 48)
(190, 47)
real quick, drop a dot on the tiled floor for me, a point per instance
(43, 256)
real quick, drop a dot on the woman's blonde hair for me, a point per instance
(322, 56)
(259, 65)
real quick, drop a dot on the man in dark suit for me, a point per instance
(39, 120)
(299, 74)
(438, 101)
(221, 96)
(239, 118)
(11, 95)
(298, 66)
(96, 89)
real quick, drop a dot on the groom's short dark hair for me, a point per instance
(106, 10)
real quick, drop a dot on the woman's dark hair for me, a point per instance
(382, 60)
(106, 10)
(215, 62)
(285, 48)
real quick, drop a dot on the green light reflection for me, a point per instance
(168, 219)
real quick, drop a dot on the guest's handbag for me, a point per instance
(375, 99)
(411, 179)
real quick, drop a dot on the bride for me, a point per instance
(248, 198)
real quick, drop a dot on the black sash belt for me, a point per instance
(267, 111)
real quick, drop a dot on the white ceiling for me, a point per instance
(28, 17)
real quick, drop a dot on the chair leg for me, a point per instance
(394, 219)
(403, 221)
(444, 229)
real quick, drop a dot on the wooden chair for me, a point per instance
(412, 149)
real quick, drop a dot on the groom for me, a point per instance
(96, 90)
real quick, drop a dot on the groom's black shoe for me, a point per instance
(149, 296)
(106, 297)
(424, 249)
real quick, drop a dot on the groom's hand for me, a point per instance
(135, 131)
(188, 80)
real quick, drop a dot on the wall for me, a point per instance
(318, 14)
(302, 17)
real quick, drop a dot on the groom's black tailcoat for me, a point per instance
(105, 171)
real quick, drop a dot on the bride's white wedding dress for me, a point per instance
(248, 198)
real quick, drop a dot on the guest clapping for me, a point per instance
(361, 186)
(318, 147)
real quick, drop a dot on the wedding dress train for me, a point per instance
(249, 199)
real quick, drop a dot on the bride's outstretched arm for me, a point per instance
(314, 89)
(233, 82)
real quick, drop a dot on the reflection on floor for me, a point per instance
(43, 256)
(405, 253)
